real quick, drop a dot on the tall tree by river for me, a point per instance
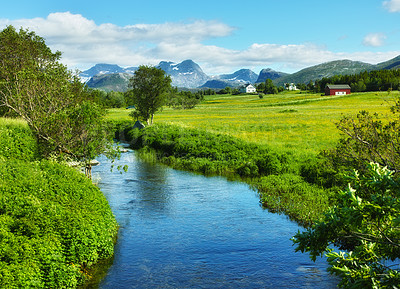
(35, 86)
(148, 91)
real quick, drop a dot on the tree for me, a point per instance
(149, 87)
(368, 138)
(50, 98)
(183, 100)
(366, 224)
(365, 221)
(270, 87)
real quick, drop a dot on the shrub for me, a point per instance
(53, 222)
(17, 141)
(360, 235)
(290, 194)
(213, 153)
(321, 172)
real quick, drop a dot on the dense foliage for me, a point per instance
(54, 223)
(35, 86)
(209, 153)
(184, 99)
(368, 138)
(378, 80)
(365, 225)
(110, 99)
(365, 222)
(268, 87)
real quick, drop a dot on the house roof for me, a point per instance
(246, 85)
(338, 86)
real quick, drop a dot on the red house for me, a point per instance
(337, 89)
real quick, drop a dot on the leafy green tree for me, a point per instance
(270, 87)
(365, 226)
(183, 100)
(148, 92)
(359, 86)
(35, 86)
(261, 87)
(310, 86)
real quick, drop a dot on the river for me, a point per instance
(182, 230)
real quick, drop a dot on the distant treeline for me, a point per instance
(379, 80)
(184, 99)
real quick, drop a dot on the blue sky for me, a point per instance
(222, 36)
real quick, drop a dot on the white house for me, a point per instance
(290, 86)
(248, 88)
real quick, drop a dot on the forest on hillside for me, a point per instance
(378, 80)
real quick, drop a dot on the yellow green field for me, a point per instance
(304, 122)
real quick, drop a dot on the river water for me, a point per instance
(182, 230)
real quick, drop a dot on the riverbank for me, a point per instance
(54, 223)
(292, 128)
(276, 176)
(185, 230)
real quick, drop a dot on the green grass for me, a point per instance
(289, 121)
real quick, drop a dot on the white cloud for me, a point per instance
(374, 39)
(392, 5)
(84, 43)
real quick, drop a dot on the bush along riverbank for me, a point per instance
(54, 223)
(276, 176)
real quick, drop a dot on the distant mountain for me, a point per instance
(235, 79)
(102, 68)
(188, 74)
(328, 69)
(220, 84)
(110, 82)
(390, 64)
(242, 75)
(185, 74)
(269, 73)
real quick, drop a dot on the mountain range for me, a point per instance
(189, 74)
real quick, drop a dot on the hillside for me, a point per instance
(220, 84)
(390, 64)
(110, 82)
(328, 69)
(269, 73)
(242, 75)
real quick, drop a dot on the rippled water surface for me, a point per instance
(181, 230)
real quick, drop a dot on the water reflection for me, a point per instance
(180, 230)
(149, 187)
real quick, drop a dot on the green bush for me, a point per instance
(54, 222)
(206, 152)
(290, 194)
(360, 234)
(17, 141)
(321, 172)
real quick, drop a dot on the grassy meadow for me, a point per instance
(293, 121)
